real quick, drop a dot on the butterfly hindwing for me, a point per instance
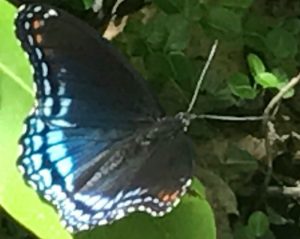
(96, 144)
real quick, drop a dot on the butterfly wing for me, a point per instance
(88, 146)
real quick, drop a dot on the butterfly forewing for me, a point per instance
(96, 145)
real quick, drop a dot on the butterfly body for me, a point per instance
(97, 144)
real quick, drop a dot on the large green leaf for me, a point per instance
(192, 219)
(16, 99)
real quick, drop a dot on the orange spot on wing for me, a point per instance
(174, 195)
(161, 194)
(167, 197)
(36, 24)
(38, 38)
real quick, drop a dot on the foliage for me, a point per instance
(258, 54)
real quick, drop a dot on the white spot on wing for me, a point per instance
(53, 13)
(30, 15)
(44, 69)
(30, 40)
(37, 8)
(98, 215)
(62, 123)
(38, 52)
(100, 204)
(21, 8)
(27, 25)
(69, 182)
(47, 87)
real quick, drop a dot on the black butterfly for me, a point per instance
(97, 144)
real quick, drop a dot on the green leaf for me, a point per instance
(289, 94)
(240, 158)
(237, 3)
(24, 204)
(258, 222)
(179, 34)
(243, 232)
(281, 43)
(183, 69)
(283, 80)
(136, 46)
(255, 28)
(292, 25)
(267, 80)
(240, 86)
(275, 218)
(157, 65)
(88, 3)
(155, 32)
(193, 10)
(224, 21)
(184, 222)
(255, 64)
(168, 6)
(16, 96)
(281, 75)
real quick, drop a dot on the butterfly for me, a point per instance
(97, 145)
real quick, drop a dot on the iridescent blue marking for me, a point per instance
(132, 193)
(99, 215)
(54, 137)
(47, 111)
(27, 151)
(41, 185)
(62, 123)
(46, 176)
(92, 200)
(39, 126)
(118, 197)
(47, 87)
(37, 142)
(69, 182)
(100, 204)
(48, 102)
(29, 166)
(27, 161)
(63, 111)
(35, 177)
(37, 160)
(62, 89)
(32, 121)
(65, 102)
(56, 152)
(27, 142)
(64, 166)
(109, 205)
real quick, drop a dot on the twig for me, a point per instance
(269, 113)
(287, 191)
(275, 100)
(227, 118)
(202, 75)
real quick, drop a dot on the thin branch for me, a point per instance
(270, 112)
(277, 98)
(287, 191)
(227, 118)
(202, 75)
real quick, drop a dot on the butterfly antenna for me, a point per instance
(202, 75)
